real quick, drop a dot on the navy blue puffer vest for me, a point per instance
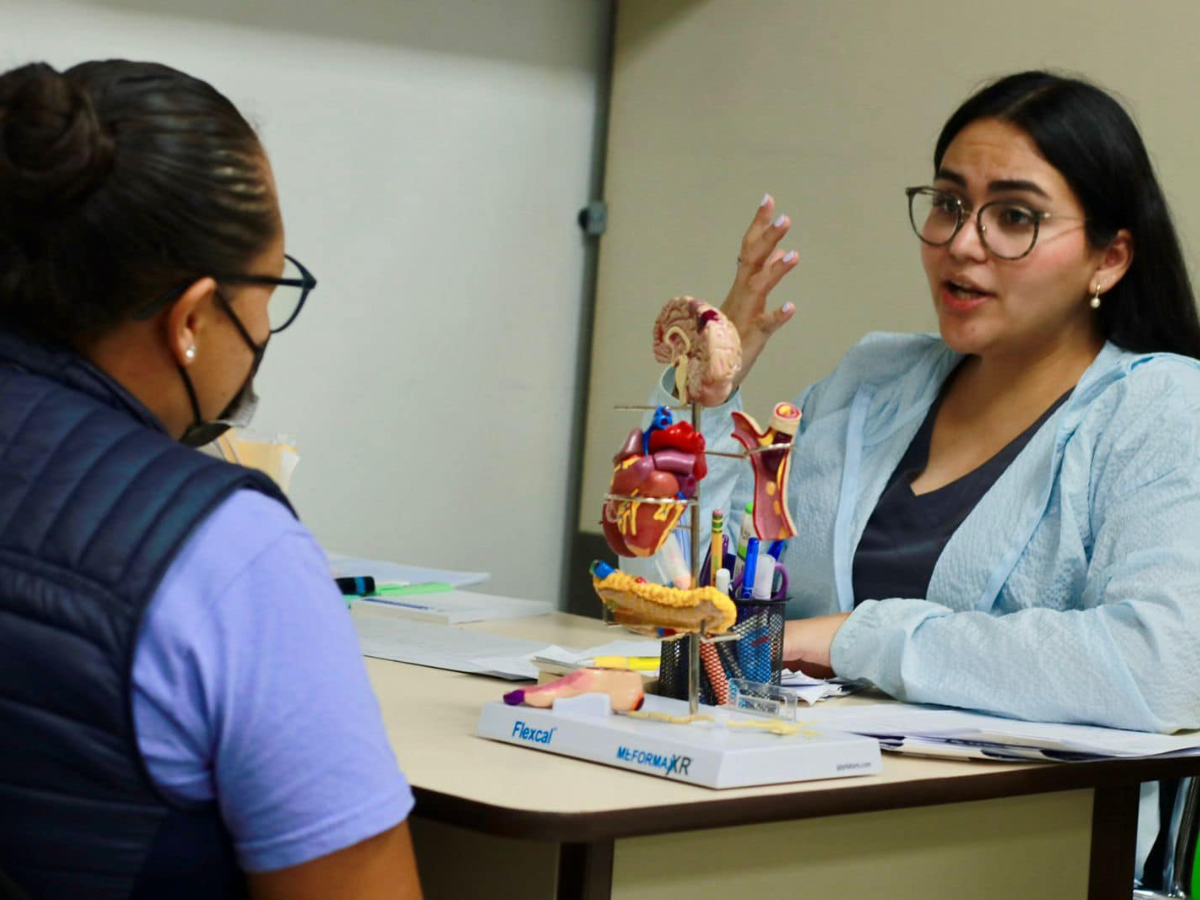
(95, 502)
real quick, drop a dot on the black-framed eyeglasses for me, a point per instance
(1007, 229)
(284, 305)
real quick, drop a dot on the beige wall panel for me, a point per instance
(834, 108)
(962, 851)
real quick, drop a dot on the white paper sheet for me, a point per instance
(443, 647)
(811, 690)
(459, 607)
(903, 725)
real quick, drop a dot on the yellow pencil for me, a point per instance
(716, 547)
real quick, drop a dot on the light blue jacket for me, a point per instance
(1070, 594)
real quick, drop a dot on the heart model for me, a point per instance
(655, 473)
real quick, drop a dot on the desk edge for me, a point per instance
(869, 796)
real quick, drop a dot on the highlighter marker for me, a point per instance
(722, 582)
(636, 663)
(600, 569)
(672, 560)
(745, 532)
(764, 578)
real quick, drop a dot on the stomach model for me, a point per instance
(772, 521)
(640, 604)
(655, 474)
(702, 345)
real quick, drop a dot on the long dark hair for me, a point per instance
(118, 180)
(1086, 135)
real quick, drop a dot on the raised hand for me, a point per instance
(761, 265)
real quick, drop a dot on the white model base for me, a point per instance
(707, 754)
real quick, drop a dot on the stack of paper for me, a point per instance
(943, 732)
(458, 607)
(388, 637)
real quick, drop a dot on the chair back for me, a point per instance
(1180, 872)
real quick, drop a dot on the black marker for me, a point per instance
(357, 585)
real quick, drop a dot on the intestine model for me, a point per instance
(772, 521)
(641, 605)
(655, 474)
(703, 347)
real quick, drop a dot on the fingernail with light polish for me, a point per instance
(790, 256)
(765, 200)
(778, 222)
(788, 307)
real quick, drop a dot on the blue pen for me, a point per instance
(746, 653)
(776, 549)
(760, 637)
(751, 566)
(394, 603)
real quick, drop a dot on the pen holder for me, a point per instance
(756, 655)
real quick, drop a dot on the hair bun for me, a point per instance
(52, 147)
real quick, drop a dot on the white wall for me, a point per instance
(431, 156)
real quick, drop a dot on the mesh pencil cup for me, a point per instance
(756, 655)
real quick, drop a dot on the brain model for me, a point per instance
(702, 345)
(655, 473)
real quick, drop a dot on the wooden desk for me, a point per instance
(497, 821)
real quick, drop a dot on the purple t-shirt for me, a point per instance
(248, 686)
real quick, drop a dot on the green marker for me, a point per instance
(744, 534)
(389, 590)
(412, 590)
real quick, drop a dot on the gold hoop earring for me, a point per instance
(1094, 303)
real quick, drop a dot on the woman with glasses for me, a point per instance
(183, 708)
(1005, 516)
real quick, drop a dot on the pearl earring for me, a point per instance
(190, 353)
(1094, 303)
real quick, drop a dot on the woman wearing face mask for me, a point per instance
(1004, 517)
(183, 708)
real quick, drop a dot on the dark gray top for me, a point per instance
(906, 533)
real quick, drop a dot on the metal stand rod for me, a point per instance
(694, 639)
(693, 674)
(694, 527)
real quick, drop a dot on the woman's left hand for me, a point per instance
(806, 644)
